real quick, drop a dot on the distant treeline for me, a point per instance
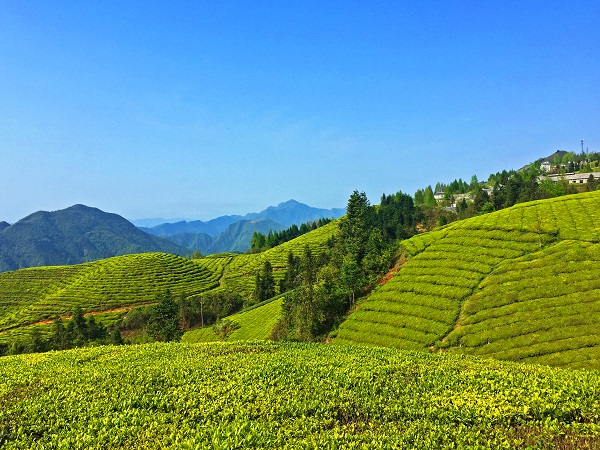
(260, 242)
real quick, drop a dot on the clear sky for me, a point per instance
(202, 108)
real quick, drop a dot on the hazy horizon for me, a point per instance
(203, 109)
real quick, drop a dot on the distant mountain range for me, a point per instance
(80, 234)
(74, 235)
(233, 233)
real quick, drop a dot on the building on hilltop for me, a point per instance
(571, 178)
(439, 196)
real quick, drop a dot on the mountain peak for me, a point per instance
(74, 235)
(81, 207)
(290, 202)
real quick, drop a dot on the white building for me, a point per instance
(571, 178)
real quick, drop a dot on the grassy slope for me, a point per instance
(29, 296)
(254, 324)
(36, 294)
(517, 284)
(239, 275)
(259, 395)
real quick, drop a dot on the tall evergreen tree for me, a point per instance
(163, 323)
(355, 226)
(60, 338)
(264, 283)
(37, 342)
(77, 329)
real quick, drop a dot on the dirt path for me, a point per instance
(394, 270)
(92, 313)
(225, 271)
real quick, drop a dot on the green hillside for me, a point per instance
(239, 275)
(31, 295)
(74, 235)
(254, 324)
(259, 395)
(519, 284)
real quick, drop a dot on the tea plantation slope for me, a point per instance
(461, 276)
(543, 308)
(31, 295)
(251, 324)
(259, 395)
(240, 274)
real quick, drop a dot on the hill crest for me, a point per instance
(74, 235)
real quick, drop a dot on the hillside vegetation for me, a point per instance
(259, 395)
(31, 295)
(74, 235)
(35, 295)
(239, 275)
(519, 284)
(252, 324)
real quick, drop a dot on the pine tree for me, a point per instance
(77, 329)
(163, 323)
(60, 338)
(115, 337)
(267, 282)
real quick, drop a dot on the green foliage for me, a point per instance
(519, 284)
(208, 308)
(240, 273)
(224, 328)
(290, 396)
(264, 287)
(163, 321)
(261, 242)
(32, 295)
(255, 323)
(362, 251)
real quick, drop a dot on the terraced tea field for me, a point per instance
(239, 275)
(543, 308)
(254, 324)
(259, 395)
(518, 284)
(31, 295)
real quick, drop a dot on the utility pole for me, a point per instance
(582, 146)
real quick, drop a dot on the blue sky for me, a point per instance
(202, 108)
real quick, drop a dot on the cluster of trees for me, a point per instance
(573, 162)
(505, 189)
(510, 188)
(322, 289)
(264, 284)
(196, 254)
(208, 308)
(166, 320)
(78, 332)
(261, 242)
